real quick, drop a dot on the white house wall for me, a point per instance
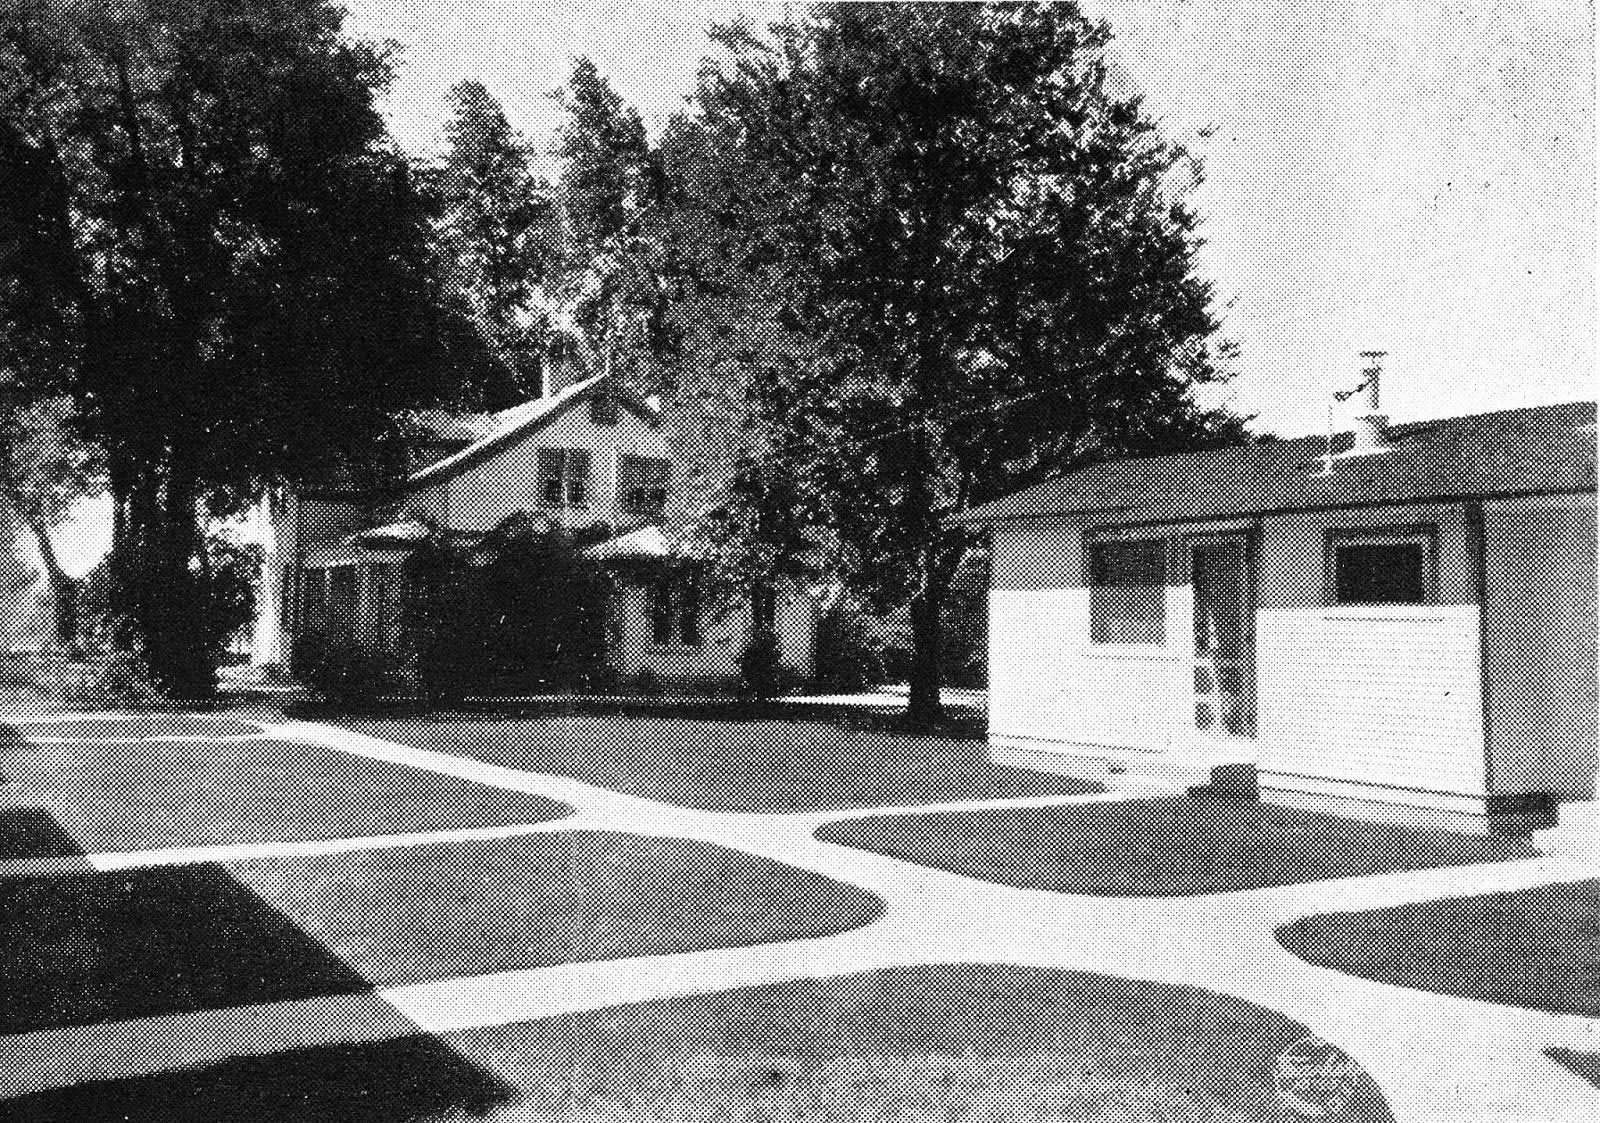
(725, 632)
(1050, 690)
(498, 486)
(1372, 694)
(1385, 697)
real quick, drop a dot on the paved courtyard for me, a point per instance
(304, 900)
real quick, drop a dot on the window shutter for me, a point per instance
(550, 477)
(577, 476)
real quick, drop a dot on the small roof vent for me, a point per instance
(1370, 423)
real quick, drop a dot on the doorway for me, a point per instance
(1224, 638)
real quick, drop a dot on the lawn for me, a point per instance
(141, 795)
(763, 766)
(88, 947)
(1537, 947)
(143, 726)
(1164, 847)
(967, 1043)
(410, 1080)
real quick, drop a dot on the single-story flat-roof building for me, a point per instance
(1399, 623)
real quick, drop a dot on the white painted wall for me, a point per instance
(725, 631)
(1380, 696)
(500, 485)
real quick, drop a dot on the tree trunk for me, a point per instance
(927, 642)
(63, 589)
(162, 597)
(924, 706)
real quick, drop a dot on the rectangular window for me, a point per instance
(675, 609)
(564, 477)
(342, 596)
(689, 610)
(1380, 567)
(661, 610)
(642, 483)
(1127, 592)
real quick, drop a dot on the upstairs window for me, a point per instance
(564, 477)
(1380, 567)
(1127, 592)
(642, 483)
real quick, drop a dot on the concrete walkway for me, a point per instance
(1437, 1058)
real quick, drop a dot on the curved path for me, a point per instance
(1435, 1057)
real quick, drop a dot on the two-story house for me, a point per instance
(593, 453)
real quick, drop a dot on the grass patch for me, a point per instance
(759, 766)
(432, 912)
(404, 1081)
(1538, 947)
(155, 794)
(1166, 847)
(143, 726)
(87, 947)
(969, 1043)
(84, 948)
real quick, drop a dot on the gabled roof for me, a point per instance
(494, 431)
(1547, 449)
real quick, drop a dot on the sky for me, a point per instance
(1413, 176)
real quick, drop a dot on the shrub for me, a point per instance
(606, 680)
(522, 609)
(762, 673)
(114, 682)
(647, 683)
(845, 657)
(896, 664)
(341, 671)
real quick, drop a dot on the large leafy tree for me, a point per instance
(981, 244)
(213, 247)
(46, 471)
(502, 235)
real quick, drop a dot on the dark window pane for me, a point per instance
(550, 484)
(643, 485)
(577, 466)
(689, 610)
(661, 610)
(1127, 597)
(1380, 573)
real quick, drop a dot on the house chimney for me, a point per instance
(1371, 423)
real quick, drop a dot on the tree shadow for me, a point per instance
(81, 947)
(1585, 1066)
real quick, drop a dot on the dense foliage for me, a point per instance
(984, 251)
(211, 245)
(521, 610)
